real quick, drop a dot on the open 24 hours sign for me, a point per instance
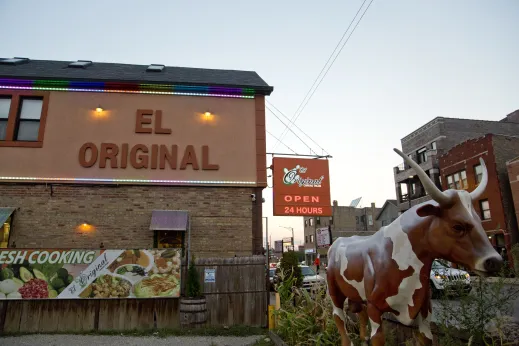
(89, 274)
(301, 187)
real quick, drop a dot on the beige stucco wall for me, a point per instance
(72, 121)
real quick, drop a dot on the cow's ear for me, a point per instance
(428, 210)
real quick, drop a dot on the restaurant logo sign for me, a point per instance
(301, 187)
(89, 274)
(292, 177)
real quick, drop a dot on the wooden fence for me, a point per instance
(239, 294)
(237, 297)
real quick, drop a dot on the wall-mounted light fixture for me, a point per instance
(207, 114)
(85, 227)
(99, 109)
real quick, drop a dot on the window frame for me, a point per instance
(482, 211)
(421, 155)
(476, 181)
(459, 184)
(14, 114)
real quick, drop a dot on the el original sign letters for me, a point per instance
(141, 156)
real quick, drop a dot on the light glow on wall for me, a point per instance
(145, 181)
(127, 88)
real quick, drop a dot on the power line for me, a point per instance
(297, 127)
(281, 142)
(290, 130)
(296, 115)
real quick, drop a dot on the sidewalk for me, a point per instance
(103, 340)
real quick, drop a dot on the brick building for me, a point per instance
(513, 176)
(345, 222)
(460, 169)
(432, 140)
(131, 156)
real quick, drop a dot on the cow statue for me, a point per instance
(389, 270)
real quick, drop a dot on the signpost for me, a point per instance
(301, 187)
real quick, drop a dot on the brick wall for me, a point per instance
(505, 149)
(513, 175)
(221, 218)
(464, 157)
(455, 131)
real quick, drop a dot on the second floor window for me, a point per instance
(22, 118)
(478, 173)
(485, 209)
(457, 180)
(311, 222)
(421, 155)
(317, 220)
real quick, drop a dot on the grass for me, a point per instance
(163, 333)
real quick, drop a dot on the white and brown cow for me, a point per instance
(389, 271)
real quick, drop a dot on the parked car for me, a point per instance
(310, 278)
(444, 277)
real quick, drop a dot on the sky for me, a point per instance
(406, 63)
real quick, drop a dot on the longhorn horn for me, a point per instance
(433, 191)
(482, 184)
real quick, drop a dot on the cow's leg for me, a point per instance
(375, 320)
(363, 318)
(425, 337)
(338, 313)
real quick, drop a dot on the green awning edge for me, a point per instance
(5, 213)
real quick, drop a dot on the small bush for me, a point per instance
(290, 264)
(193, 289)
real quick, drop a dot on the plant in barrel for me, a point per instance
(193, 281)
(193, 309)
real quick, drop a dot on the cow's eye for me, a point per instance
(459, 228)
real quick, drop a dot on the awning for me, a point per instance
(5, 213)
(169, 220)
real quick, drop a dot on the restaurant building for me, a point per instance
(107, 155)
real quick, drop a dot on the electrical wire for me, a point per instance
(296, 115)
(297, 127)
(290, 130)
(282, 142)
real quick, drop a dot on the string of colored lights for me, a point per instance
(132, 88)
(109, 180)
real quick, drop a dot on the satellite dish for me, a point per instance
(354, 203)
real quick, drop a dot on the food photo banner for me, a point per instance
(89, 274)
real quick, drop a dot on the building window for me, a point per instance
(357, 220)
(331, 220)
(5, 105)
(306, 239)
(317, 220)
(311, 221)
(421, 155)
(457, 180)
(28, 125)
(370, 220)
(306, 223)
(478, 173)
(22, 118)
(485, 209)
(450, 183)
(433, 146)
(311, 239)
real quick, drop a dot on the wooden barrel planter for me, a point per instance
(193, 312)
